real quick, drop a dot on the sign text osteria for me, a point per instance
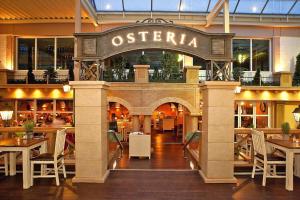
(155, 36)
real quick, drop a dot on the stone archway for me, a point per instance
(121, 101)
(159, 102)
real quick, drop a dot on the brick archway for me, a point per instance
(121, 101)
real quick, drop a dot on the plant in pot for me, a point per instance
(285, 128)
(194, 142)
(28, 126)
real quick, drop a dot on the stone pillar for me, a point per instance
(192, 74)
(135, 123)
(194, 123)
(141, 74)
(90, 131)
(4, 75)
(217, 146)
(286, 78)
(147, 124)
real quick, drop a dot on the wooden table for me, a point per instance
(290, 148)
(14, 145)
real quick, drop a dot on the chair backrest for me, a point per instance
(259, 144)
(59, 142)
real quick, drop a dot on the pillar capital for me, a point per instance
(141, 74)
(192, 74)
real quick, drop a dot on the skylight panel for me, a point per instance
(166, 5)
(108, 5)
(137, 5)
(250, 6)
(278, 6)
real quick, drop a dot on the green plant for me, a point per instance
(143, 60)
(50, 73)
(238, 72)
(20, 134)
(257, 77)
(29, 125)
(169, 64)
(285, 128)
(296, 77)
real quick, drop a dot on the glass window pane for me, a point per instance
(170, 5)
(250, 6)
(65, 53)
(236, 108)
(26, 53)
(45, 105)
(236, 122)
(65, 119)
(296, 9)
(137, 5)
(247, 108)
(25, 105)
(45, 53)
(232, 5)
(278, 6)
(241, 53)
(23, 117)
(212, 4)
(260, 55)
(261, 108)
(108, 5)
(194, 5)
(64, 105)
(261, 122)
(44, 119)
(247, 122)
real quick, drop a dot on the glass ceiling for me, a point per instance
(260, 7)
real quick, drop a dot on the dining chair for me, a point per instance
(262, 160)
(4, 155)
(56, 159)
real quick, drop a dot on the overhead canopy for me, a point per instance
(38, 10)
(260, 7)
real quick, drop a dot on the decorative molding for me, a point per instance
(155, 21)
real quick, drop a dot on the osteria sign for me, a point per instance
(210, 46)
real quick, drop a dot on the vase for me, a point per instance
(285, 136)
(29, 134)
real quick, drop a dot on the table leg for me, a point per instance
(26, 168)
(289, 181)
(43, 149)
(12, 163)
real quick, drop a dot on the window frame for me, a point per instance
(251, 52)
(35, 50)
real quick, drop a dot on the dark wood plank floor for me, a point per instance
(146, 185)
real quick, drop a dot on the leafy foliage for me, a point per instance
(285, 128)
(29, 125)
(50, 73)
(238, 73)
(143, 60)
(296, 77)
(169, 64)
(257, 77)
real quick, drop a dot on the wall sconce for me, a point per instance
(296, 114)
(67, 88)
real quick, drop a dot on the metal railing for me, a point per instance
(163, 77)
(192, 138)
(296, 82)
(113, 77)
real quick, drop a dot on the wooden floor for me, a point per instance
(148, 185)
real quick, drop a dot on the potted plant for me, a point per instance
(194, 141)
(285, 128)
(28, 126)
(50, 75)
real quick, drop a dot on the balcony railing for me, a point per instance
(262, 81)
(296, 82)
(113, 77)
(162, 77)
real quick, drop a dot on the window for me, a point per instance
(42, 53)
(250, 54)
(252, 114)
(64, 52)
(45, 53)
(26, 55)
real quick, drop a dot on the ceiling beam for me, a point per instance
(88, 7)
(214, 12)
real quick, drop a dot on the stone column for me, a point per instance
(217, 148)
(194, 123)
(135, 123)
(147, 124)
(90, 131)
(192, 74)
(141, 74)
(286, 78)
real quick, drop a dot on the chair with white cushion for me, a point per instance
(4, 156)
(56, 160)
(264, 161)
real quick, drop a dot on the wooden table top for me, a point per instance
(14, 142)
(285, 143)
